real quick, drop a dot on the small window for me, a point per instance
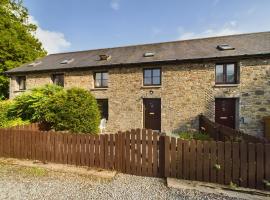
(224, 47)
(226, 73)
(58, 79)
(152, 76)
(21, 80)
(103, 107)
(101, 79)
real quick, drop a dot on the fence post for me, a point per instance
(161, 156)
(167, 156)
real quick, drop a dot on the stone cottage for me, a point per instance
(165, 86)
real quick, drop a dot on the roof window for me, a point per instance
(224, 47)
(34, 64)
(148, 54)
(104, 57)
(67, 61)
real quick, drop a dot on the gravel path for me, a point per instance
(55, 185)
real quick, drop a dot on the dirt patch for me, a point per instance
(39, 169)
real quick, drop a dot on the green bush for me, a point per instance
(194, 136)
(75, 110)
(28, 105)
(7, 121)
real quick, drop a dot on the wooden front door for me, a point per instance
(152, 114)
(225, 111)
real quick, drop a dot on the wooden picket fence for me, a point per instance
(146, 153)
(223, 133)
(244, 164)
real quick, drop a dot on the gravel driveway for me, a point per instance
(37, 184)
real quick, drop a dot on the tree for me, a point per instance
(18, 44)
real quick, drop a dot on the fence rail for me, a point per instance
(145, 153)
(223, 133)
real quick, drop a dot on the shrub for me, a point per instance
(194, 136)
(75, 110)
(28, 105)
(7, 121)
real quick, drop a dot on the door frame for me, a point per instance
(154, 98)
(237, 110)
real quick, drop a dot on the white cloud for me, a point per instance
(52, 41)
(229, 28)
(115, 4)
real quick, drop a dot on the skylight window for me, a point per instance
(104, 57)
(34, 64)
(148, 54)
(67, 61)
(224, 47)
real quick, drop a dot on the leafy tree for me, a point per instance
(30, 105)
(18, 44)
(5, 120)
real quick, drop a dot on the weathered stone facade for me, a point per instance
(186, 91)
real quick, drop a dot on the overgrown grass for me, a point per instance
(193, 136)
(33, 171)
(6, 167)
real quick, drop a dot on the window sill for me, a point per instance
(98, 89)
(150, 86)
(226, 85)
(19, 90)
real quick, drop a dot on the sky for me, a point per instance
(73, 25)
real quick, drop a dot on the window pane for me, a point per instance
(105, 75)
(230, 73)
(61, 80)
(147, 73)
(58, 79)
(104, 83)
(103, 107)
(156, 72)
(219, 73)
(98, 83)
(156, 80)
(98, 76)
(21, 81)
(147, 81)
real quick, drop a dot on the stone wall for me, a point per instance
(186, 91)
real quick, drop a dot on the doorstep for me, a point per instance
(239, 192)
(85, 171)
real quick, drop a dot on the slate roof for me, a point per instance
(185, 50)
